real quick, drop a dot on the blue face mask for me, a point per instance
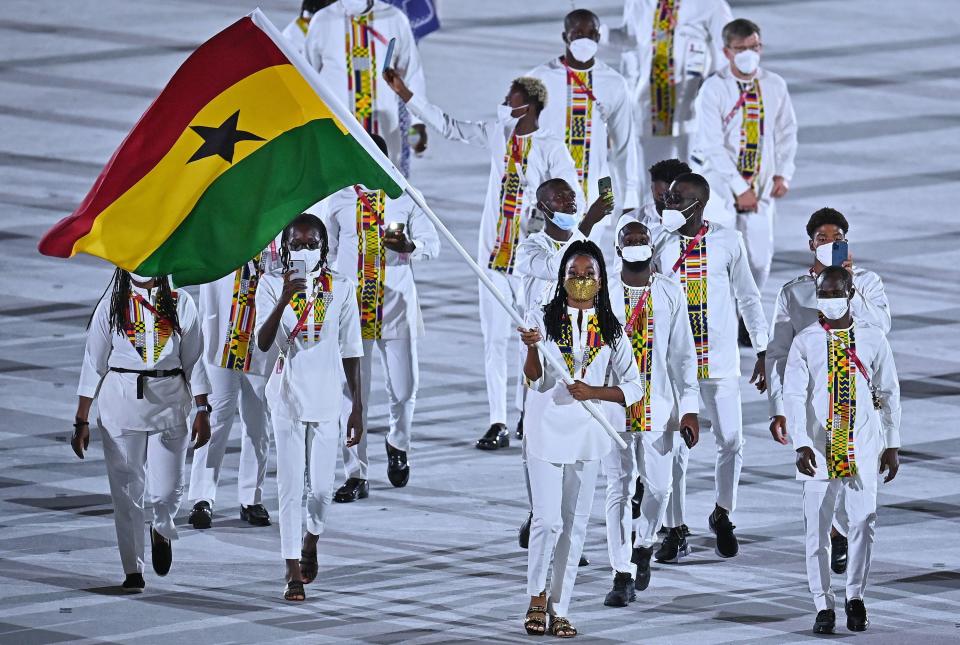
(563, 221)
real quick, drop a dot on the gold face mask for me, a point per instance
(582, 289)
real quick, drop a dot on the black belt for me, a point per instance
(145, 374)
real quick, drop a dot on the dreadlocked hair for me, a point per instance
(555, 311)
(311, 220)
(120, 300)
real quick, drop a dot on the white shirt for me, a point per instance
(717, 143)
(697, 53)
(807, 400)
(295, 35)
(674, 388)
(166, 401)
(217, 314)
(614, 151)
(548, 159)
(401, 305)
(538, 265)
(796, 309)
(325, 49)
(308, 387)
(562, 431)
(730, 287)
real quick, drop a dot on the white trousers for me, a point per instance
(562, 499)
(757, 230)
(498, 332)
(720, 407)
(677, 502)
(134, 459)
(310, 447)
(231, 389)
(651, 455)
(860, 503)
(400, 363)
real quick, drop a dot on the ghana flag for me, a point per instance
(242, 139)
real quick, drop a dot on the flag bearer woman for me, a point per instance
(142, 363)
(314, 322)
(564, 442)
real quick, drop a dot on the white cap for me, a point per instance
(623, 221)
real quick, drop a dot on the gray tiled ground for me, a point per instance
(875, 86)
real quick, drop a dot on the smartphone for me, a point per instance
(388, 59)
(841, 251)
(687, 435)
(299, 268)
(393, 228)
(605, 185)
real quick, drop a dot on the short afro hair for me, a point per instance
(739, 28)
(668, 170)
(534, 89)
(827, 216)
(838, 273)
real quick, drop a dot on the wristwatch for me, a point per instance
(204, 407)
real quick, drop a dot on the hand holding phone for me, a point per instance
(841, 250)
(605, 186)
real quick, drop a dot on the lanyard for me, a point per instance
(301, 323)
(376, 34)
(635, 315)
(151, 309)
(690, 247)
(739, 104)
(571, 76)
(366, 202)
(852, 355)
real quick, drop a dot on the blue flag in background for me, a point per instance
(421, 13)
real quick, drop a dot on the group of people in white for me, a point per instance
(641, 283)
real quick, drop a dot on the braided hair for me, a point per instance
(555, 311)
(304, 219)
(120, 299)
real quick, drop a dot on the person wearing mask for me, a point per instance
(311, 319)
(375, 242)
(654, 315)
(667, 48)
(796, 309)
(522, 156)
(296, 31)
(238, 373)
(746, 141)
(591, 110)
(842, 398)
(142, 362)
(564, 442)
(711, 264)
(347, 43)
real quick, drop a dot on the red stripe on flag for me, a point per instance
(233, 54)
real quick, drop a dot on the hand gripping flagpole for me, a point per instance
(356, 130)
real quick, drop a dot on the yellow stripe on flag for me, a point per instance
(271, 102)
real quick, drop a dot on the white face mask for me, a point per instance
(136, 277)
(824, 254)
(640, 253)
(505, 115)
(583, 49)
(355, 7)
(311, 258)
(833, 308)
(747, 62)
(672, 219)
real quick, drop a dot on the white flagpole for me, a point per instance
(356, 130)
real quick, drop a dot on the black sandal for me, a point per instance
(537, 626)
(561, 627)
(308, 566)
(294, 591)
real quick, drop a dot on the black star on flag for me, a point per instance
(222, 139)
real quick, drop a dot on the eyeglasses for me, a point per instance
(673, 197)
(743, 48)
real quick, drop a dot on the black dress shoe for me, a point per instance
(722, 527)
(398, 470)
(134, 583)
(826, 622)
(637, 499)
(674, 547)
(524, 534)
(352, 490)
(857, 616)
(622, 593)
(838, 553)
(519, 431)
(641, 558)
(496, 437)
(161, 552)
(583, 561)
(201, 517)
(255, 514)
